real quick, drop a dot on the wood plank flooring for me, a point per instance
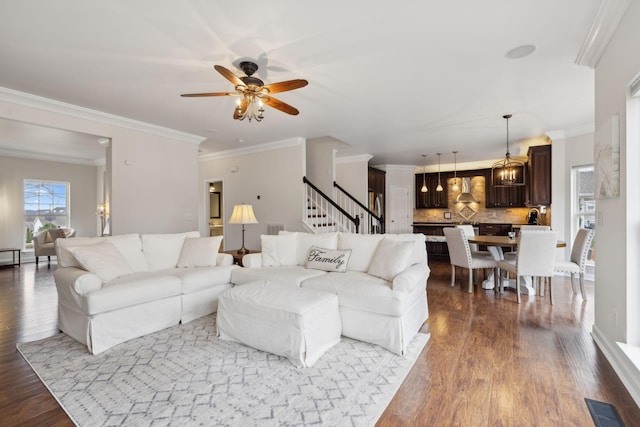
(490, 362)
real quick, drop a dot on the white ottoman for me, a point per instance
(299, 324)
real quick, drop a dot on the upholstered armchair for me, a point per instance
(44, 242)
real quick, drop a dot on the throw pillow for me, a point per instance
(279, 251)
(328, 259)
(390, 258)
(163, 250)
(61, 233)
(102, 259)
(199, 252)
(363, 247)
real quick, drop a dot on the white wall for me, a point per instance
(82, 198)
(617, 230)
(150, 195)
(321, 155)
(273, 174)
(352, 174)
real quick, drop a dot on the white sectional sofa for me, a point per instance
(112, 289)
(380, 280)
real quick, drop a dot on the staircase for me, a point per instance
(323, 214)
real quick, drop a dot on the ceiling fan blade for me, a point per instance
(286, 85)
(228, 75)
(279, 105)
(209, 94)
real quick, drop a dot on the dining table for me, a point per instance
(494, 245)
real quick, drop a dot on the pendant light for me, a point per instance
(424, 188)
(455, 172)
(507, 172)
(439, 187)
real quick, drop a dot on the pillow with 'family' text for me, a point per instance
(328, 259)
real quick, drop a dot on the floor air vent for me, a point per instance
(604, 414)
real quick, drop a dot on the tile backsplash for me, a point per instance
(475, 212)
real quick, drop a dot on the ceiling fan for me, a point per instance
(254, 93)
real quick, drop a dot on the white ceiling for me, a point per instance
(390, 79)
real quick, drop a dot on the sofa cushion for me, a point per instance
(286, 276)
(279, 251)
(390, 258)
(128, 244)
(163, 250)
(304, 242)
(134, 289)
(363, 292)
(328, 259)
(419, 252)
(199, 252)
(102, 259)
(196, 279)
(362, 245)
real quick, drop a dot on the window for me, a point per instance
(46, 205)
(584, 208)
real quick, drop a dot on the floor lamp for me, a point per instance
(243, 214)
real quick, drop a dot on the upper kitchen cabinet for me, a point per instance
(504, 197)
(539, 170)
(432, 199)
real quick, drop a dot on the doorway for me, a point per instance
(215, 209)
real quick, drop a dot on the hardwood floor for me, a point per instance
(490, 362)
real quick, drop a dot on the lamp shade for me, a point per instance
(243, 214)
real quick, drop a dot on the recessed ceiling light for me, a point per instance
(520, 51)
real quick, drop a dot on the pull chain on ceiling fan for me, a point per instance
(254, 93)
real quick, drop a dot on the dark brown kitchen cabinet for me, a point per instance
(539, 170)
(435, 250)
(504, 197)
(432, 199)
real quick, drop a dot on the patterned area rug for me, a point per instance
(186, 376)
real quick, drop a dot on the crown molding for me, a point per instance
(53, 106)
(604, 26)
(259, 148)
(352, 159)
(50, 157)
(398, 168)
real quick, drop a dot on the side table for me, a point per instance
(14, 252)
(237, 258)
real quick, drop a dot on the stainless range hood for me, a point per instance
(466, 196)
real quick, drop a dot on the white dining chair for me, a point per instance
(513, 253)
(469, 232)
(578, 260)
(535, 258)
(460, 256)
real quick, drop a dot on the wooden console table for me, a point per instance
(14, 252)
(237, 258)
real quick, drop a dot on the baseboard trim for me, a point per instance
(626, 370)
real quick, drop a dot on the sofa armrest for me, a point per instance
(224, 259)
(76, 280)
(252, 260)
(411, 278)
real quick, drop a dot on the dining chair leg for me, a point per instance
(453, 275)
(518, 297)
(573, 285)
(584, 294)
(550, 288)
(496, 273)
(470, 280)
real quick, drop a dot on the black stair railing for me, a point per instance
(355, 220)
(376, 222)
